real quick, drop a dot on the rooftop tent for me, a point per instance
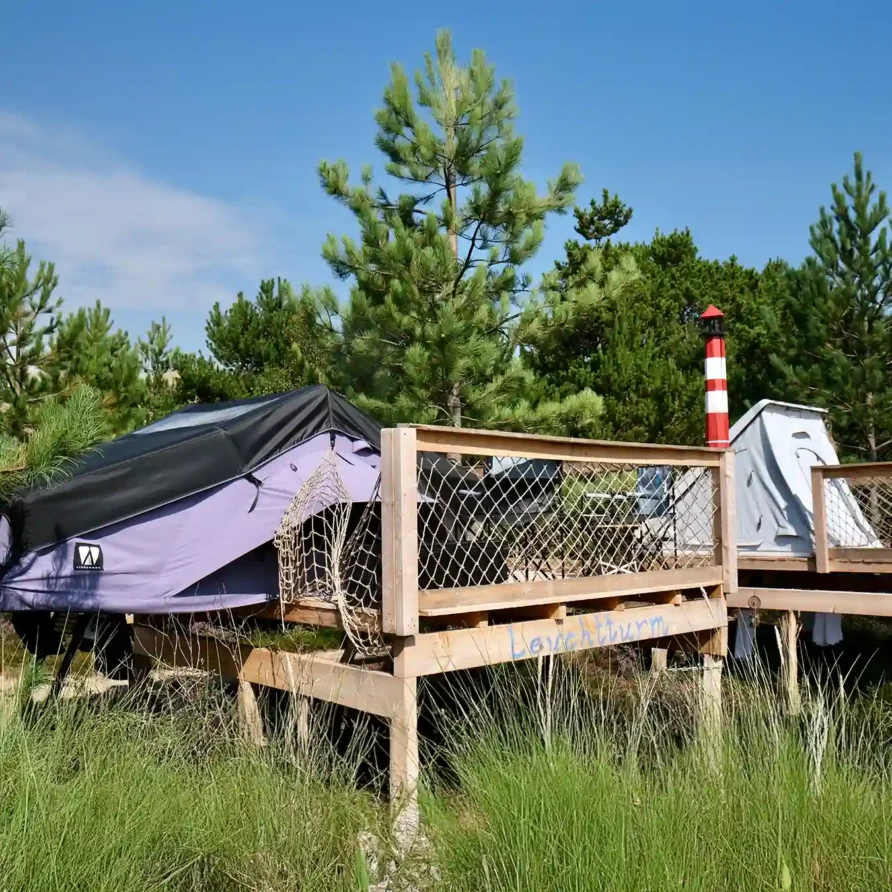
(179, 516)
(775, 446)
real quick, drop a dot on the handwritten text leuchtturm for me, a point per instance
(604, 632)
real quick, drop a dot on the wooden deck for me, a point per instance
(427, 631)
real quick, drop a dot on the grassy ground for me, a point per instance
(579, 797)
(544, 781)
(145, 796)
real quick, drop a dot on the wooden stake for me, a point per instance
(711, 702)
(789, 635)
(659, 657)
(302, 721)
(404, 763)
(250, 719)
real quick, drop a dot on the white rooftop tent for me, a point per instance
(775, 446)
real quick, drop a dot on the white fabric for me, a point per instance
(745, 636)
(827, 629)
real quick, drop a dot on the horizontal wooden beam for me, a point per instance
(857, 471)
(467, 648)
(504, 444)
(800, 563)
(860, 560)
(853, 567)
(316, 675)
(315, 612)
(813, 601)
(501, 596)
(368, 690)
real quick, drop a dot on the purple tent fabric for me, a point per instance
(208, 551)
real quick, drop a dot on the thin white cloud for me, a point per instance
(115, 233)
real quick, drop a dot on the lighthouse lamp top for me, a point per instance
(713, 321)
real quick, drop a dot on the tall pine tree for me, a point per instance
(835, 333)
(621, 320)
(437, 272)
(28, 317)
(279, 341)
(86, 348)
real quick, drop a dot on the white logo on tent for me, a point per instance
(88, 555)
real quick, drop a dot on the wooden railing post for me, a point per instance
(724, 525)
(822, 556)
(399, 532)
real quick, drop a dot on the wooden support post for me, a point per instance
(659, 658)
(404, 765)
(711, 701)
(250, 719)
(714, 648)
(822, 557)
(724, 522)
(789, 635)
(399, 532)
(301, 706)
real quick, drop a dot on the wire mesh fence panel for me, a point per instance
(515, 520)
(858, 511)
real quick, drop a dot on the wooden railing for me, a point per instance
(527, 521)
(853, 517)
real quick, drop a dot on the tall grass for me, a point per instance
(546, 780)
(127, 797)
(581, 795)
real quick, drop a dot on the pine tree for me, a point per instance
(437, 272)
(28, 317)
(155, 353)
(87, 349)
(603, 219)
(62, 430)
(278, 341)
(835, 334)
(621, 320)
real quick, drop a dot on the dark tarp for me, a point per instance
(185, 453)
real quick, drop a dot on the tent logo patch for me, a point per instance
(87, 557)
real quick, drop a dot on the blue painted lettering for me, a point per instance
(515, 653)
(606, 631)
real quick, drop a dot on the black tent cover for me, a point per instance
(190, 451)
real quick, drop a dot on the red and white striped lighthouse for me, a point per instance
(717, 427)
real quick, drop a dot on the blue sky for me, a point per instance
(164, 154)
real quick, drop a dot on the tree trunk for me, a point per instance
(871, 429)
(453, 203)
(874, 509)
(453, 403)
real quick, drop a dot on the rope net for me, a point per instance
(511, 520)
(330, 549)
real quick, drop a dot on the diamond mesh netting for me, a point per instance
(501, 521)
(330, 549)
(514, 520)
(858, 511)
